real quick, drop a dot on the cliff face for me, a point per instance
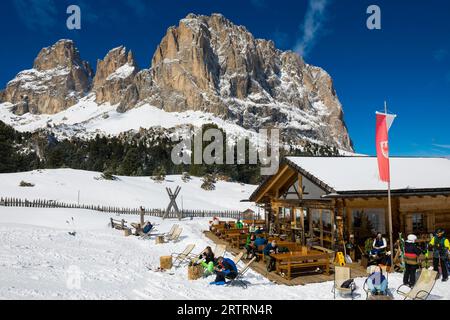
(113, 75)
(206, 63)
(209, 64)
(59, 78)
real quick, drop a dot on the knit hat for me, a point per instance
(411, 238)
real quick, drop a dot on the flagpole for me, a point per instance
(389, 209)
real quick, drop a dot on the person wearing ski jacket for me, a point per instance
(260, 241)
(411, 257)
(225, 269)
(377, 282)
(148, 227)
(440, 246)
(239, 225)
(270, 248)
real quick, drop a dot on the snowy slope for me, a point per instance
(39, 260)
(131, 192)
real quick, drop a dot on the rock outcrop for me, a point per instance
(209, 64)
(113, 75)
(59, 78)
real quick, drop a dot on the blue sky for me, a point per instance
(407, 62)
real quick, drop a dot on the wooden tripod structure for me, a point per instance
(173, 203)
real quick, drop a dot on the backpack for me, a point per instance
(347, 283)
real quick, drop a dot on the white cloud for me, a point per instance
(312, 25)
(443, 146)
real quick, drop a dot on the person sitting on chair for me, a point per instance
(225, 269)
(271, 248)
(379, 245)
(377, 282)
(250, 246)
(147, 227)
(206, 260)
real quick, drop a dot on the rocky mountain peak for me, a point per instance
(114, 74)
(205, 63)
(59, 78)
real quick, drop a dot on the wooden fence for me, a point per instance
(42, 203)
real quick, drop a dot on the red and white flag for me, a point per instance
(384, 122)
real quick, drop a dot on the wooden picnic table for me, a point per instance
(298, 259)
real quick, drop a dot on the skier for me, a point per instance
(412, 253)
(440, 245)
(239, 225)
(225, 268)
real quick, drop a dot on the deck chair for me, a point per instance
(220, 250)
(423, 286)
(238, 257)
(176, 235)
(171, 232)
(238, 280)
(342, 274)
(183, 257)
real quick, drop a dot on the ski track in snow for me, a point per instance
(37, 253)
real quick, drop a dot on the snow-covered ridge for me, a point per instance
(122, 72)
(36, 80)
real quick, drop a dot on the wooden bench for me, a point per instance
(238, 240)
(118, 224)
(296, 262)
(291, 246)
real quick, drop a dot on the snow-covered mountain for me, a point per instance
(206, 69)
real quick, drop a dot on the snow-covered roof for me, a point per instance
(343, 174)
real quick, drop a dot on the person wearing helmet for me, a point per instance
(412, 253)
(440, 246)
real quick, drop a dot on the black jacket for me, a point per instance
(208, 257)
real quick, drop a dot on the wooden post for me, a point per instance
(321, 227)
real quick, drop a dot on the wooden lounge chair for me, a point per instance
(238, 257)
(342, 274)
(183, 257)
(220, 250)
(176, 235)
(423, 286)
(238, 280)
(172, 231)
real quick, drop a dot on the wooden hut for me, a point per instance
(324, 200)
